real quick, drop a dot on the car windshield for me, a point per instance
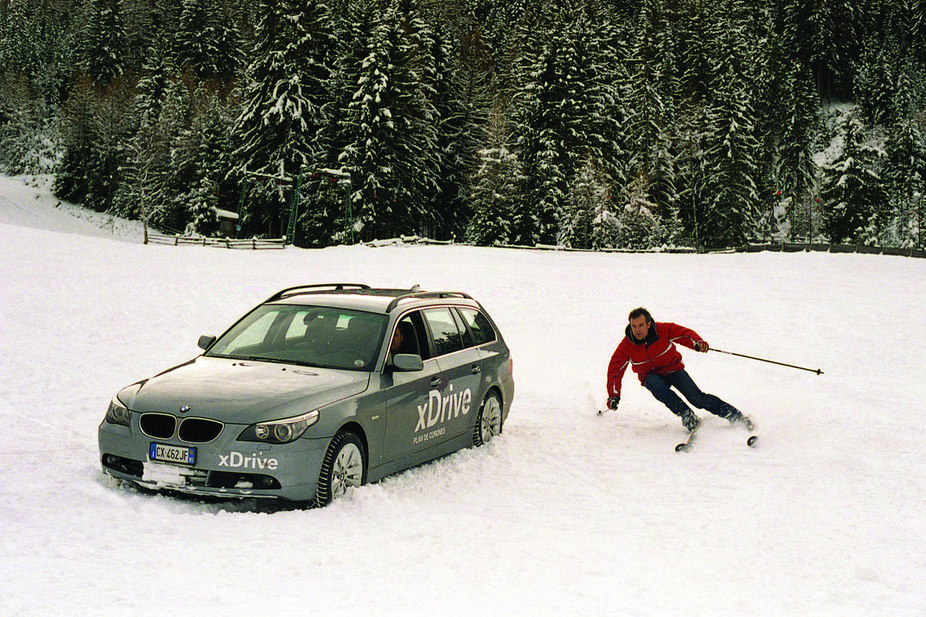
(306, 335)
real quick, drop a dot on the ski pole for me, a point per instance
(739, 355)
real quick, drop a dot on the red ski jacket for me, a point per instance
(657, 354)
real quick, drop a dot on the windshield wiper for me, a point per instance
(245, 358)
(273, 360)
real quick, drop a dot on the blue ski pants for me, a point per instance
(661, 387)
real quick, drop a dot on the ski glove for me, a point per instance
(702, 346)
(613, 402)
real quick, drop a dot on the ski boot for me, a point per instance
(737, 416)
(691, 421)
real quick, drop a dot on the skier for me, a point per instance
(649, 349)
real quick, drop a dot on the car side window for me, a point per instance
(407, 337)
(467, 337)
(420, 333)
(478, 325)
(444, 332)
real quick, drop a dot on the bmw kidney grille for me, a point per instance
(199, 430)
(192, 430)
(158, 425)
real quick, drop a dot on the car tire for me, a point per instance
(343, 467)
(488, 421)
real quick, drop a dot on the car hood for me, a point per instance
(243, 392)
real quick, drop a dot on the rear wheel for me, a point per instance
(489, 421)
(342, 468)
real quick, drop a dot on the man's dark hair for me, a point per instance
(638, 312)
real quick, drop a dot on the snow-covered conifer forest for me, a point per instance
(586, 123)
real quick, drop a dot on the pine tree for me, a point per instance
(202, 159)
(145, 171)
(285, 94)
(905, 179)
(876, 81)
(97, 123)
(796, 172)
(562, 109)
(71, 174)
(730, 212)
(393, 160)
(528, 53)
(176, 113)
(326, 217)
(498, 20)
(26, 129)
(207, 42)
(554, 154)
(35, 58)
(649, 96)
(606, 228)
(851, 190)
(638, 226)
(97, 120)
(692, 130)
(763, 55)
(496, 193)
(586, 221)
(103, 41)
(16, 46)
(156, 76)
(463, 87)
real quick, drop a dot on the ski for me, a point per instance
(686, 445)
(751, 427)
(746, 421)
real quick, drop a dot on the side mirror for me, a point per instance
(205, 342)
(407, 362)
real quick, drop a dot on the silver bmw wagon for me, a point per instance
(318, 389)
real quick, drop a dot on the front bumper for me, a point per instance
(224, 467)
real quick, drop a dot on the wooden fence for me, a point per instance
(779, 247)
(791, 247)
(226, 243)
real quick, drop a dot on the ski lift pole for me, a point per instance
(740, 355)
(244, 191)
(294, 207)
(349, 208)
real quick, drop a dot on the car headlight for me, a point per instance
(279, 431)
(118, 413)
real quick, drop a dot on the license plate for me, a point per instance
(172, 454)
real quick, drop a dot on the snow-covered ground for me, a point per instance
(568, 513)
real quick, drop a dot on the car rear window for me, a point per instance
(444, 332)
(479, 326)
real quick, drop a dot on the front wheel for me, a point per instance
(342, 468)
(489, 421)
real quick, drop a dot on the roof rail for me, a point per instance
(426, 294)
(319, 288)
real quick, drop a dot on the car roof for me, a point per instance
(365, 298)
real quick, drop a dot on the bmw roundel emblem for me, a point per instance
(185, 409)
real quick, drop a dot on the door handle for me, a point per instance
(475, 369)
(435, 381)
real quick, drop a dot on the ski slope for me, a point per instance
(568, 513)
